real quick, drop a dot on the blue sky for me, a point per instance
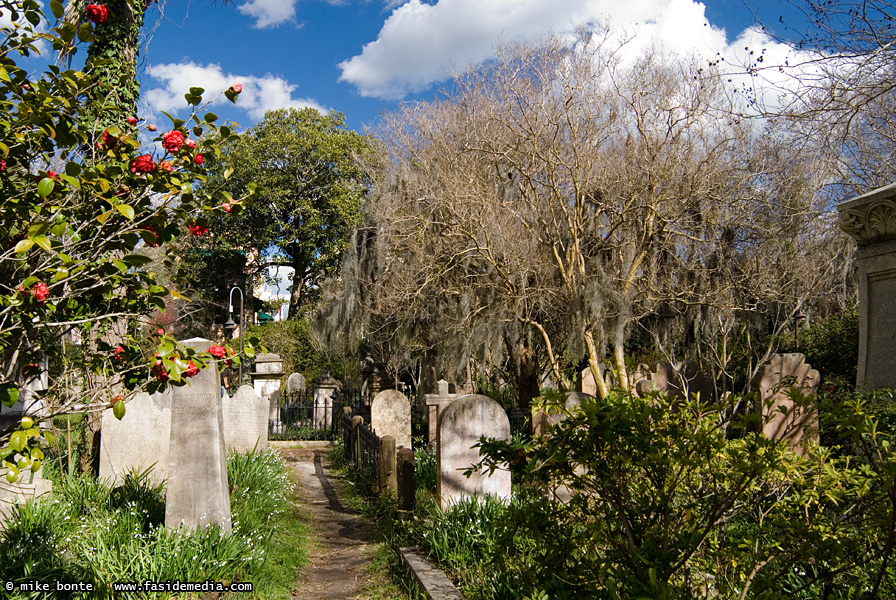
(360, 57)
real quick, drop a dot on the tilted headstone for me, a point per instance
(682, 379)
(138, 441)
(324, 391)
(461, 425)
(782, 418)
(295, 388)
(437, 403)
(390, 414)
(245, 421)
(869, 219)
(197, 494)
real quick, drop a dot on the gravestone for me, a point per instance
(586, 384)
(782, 418)
(542, 421)
(30, 486)
(436, 403)
(139, 440)
(461, 424)
(245, 421)
(295, 388)
(390, 414)
(324, 391)
(266, 382)
(197, 494)
(871, 220)
(680, 380)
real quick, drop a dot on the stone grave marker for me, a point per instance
(139, 441)
(390, 414)
(782, 418)
(680, 379)
(324, 391)
(245, 420)
(295, 388)
(197, 494)
(461, 425)
(266, 382)
(437, 403)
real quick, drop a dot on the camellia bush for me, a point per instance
(665, 498)
(87, 215)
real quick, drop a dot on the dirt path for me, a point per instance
(341, 547)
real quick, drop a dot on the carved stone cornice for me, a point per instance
(871, 218)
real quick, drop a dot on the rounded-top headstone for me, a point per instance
(461, 425)
(390, 414)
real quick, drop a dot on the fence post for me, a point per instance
(356, 441)
(388, 476)
(406, 485)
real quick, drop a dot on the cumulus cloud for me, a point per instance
(420, 42)
(269, 13)
(260, 94)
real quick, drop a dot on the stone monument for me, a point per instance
(782, 418)
(139, 440)
(266, 383)
(245, 421)
(390, 414)
(324, 389)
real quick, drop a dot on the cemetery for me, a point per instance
(599, 321)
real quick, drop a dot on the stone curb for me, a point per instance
(431, 581)
(300, 444)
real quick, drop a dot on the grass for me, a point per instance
(93, 533)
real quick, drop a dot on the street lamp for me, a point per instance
(230, 326)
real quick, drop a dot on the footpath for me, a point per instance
(341, 545)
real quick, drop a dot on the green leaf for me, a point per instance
(23, 245)
(46, 187)
(210, 117)
(118, 409)
(228, 172)
(59, 229)
(126, 210)
(104, 217)
(18, 440)
(61, 273)
(9, 393)
(251, 187)
(44, 243)
(197, 91)
(137, 259)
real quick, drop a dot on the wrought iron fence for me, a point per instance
(305, 419)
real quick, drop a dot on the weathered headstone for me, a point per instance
(324, 390)
(295, 388)
(197, 494)
(871, 220)
(543, 420)
(406, 486)
(461, 425)
(245, 421)
(680, 380)
(782, 418)
(266, 382)
(27, 488)
(139, 440)
(437, 403)
(390, 414)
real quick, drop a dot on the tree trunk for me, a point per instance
(528, 376)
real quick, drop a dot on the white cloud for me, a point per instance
(420, 42)
(269, 13)
(260, 94)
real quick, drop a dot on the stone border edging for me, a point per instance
(300, 444)
(431, 581)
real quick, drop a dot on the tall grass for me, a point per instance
(94, 533)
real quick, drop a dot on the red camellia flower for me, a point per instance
(143, 164)
(237, 88)
(190, 144)
(191, 370)
(2, 165)
(172, 141)
(217, 351)
(132, 120)
(119, 353)
(40, 292)
(198, 230)
(151, 127)
(166, 166)
(227, 207)
(159, 371)
(97, 13)
(198, 159)
(109, 140)
(30, 370)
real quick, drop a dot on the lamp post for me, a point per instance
(798, 317)
(230, 326)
